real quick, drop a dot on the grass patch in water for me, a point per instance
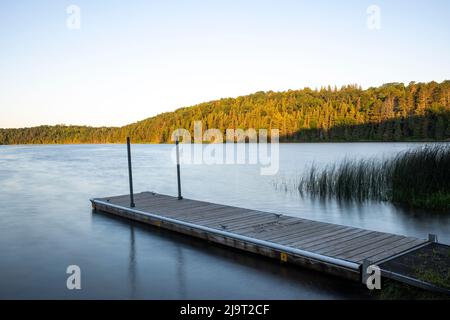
(418, 177)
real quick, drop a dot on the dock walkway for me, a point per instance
(331, 248)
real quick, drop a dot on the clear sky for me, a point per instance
(133, 59)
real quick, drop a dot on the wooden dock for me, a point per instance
(335, 249)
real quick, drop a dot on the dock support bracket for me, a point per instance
(432, 238)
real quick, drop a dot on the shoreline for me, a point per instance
(281, 142)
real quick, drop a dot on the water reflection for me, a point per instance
(181, 274)
(132, 263)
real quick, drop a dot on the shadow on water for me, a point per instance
(307, 283)
(404, 212)
(181, 276)
(132, 263)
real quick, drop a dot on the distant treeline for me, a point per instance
(392, 112)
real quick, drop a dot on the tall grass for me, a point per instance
(418, 177)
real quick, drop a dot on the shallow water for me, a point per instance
(46, 224)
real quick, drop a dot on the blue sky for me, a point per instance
(134, 59)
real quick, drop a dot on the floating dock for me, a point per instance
(335, 249)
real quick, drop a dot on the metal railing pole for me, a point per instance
(130, 174)
(178, 171)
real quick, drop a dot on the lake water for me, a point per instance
(46, 224)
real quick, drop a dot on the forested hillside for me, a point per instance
(392, 112)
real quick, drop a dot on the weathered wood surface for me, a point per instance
(336, 241)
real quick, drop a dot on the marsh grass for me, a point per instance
(418, 177)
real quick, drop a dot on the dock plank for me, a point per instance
(393, 251)
(268, 228)
(352, 243)
(326, 242)
(321, 231)
(323, 236)
(308, 230)
(374, 247)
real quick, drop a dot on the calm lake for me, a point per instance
(46, 224)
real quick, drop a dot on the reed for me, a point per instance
(419, 177)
